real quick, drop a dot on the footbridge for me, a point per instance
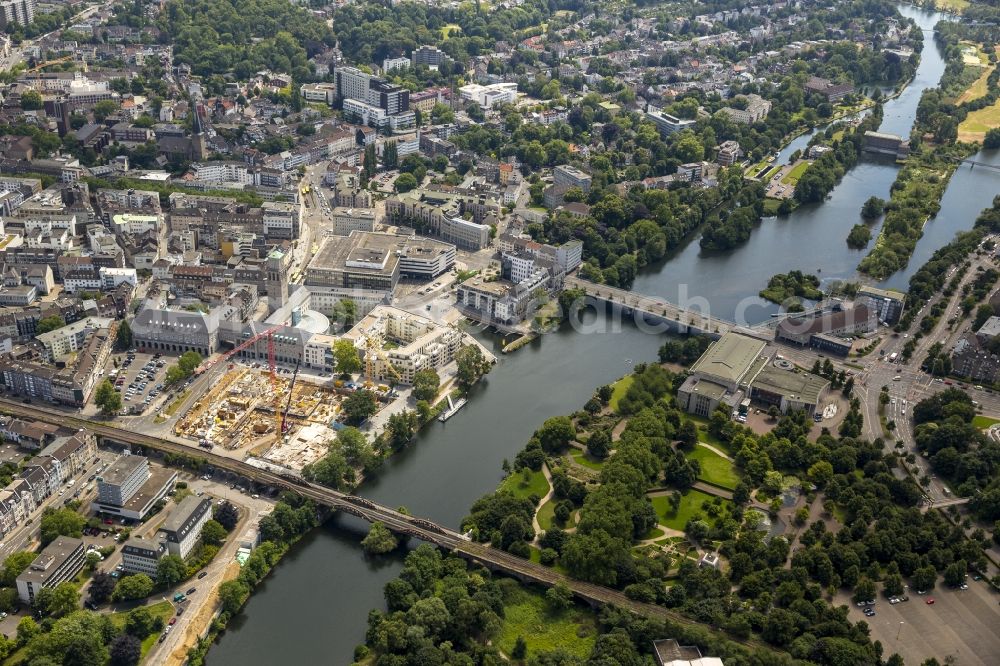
(973, 164)
(659, 311)
(493, 559)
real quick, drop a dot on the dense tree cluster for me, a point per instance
(217, 37)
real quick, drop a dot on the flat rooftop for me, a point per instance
(122, 469)
(730, 357)
(50, 559)
(360, 247)
(882, 293)
(801, 386)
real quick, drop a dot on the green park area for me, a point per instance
(714, 468)
(976, 124)
(984, 422)
(584, 459)
(163, 610)
(620, 388)
(793, 175)
(526, 483)
(528, 615)
(690, 506)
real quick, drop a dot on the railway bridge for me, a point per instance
(491, 558)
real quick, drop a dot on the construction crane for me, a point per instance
(272, 375)
(211, 363)
(40, 66)
(284, 427)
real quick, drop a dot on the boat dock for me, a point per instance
(453, 408)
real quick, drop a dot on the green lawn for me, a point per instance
(535, 485)
(771, 206)
(793, 176)
(163, 609)
(690, 505)
(526, 614)
(450, 28)
(984, 422)
(714, 468)
(977, 122)
(546, 514)
(620, 387)
(586, 460)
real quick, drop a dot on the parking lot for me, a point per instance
(960, 623)
(139, 378)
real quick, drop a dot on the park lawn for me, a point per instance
(714, 468)
(690, 505)
(163, 609)
(584, 459)
(620, 388)
(526, 614)
(976, 124)
(957, 6)
(535, 485)
(984, 422)
(792, 177)
(771, 206)
(448, 29)
(705, 436)
(546, 514)
(977, 89)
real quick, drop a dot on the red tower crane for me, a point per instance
(273, 375)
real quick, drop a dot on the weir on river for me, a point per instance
(313, 608)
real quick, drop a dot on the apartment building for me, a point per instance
(58, 562)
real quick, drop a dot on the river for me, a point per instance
(314, 606)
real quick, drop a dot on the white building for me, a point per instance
(112, 278)
(183, 526)
(134, 223)
(489, 95)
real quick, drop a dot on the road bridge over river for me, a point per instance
(659, 311)
(492, 558)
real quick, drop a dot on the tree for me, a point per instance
(125, 650)
(31, 100)
(556, 433)
(426, 383)
(61, 522)
(954, 573)
(599, 444)
(14, 566)
(107, 398)
(227, 515)
(140, 622)
(50, 323)
(359, 406)
(380, 540)
(472, 365)
(138, 586)
(27, 629)
(60, 600)
(171, 569)
(390, 155)
(872, 208)
(345, 313)
(864, 590)
(213, 533)
(924, 578)
(520, 650)
(102, 585)
(559, 597)
(400, 428)
(123, 336)
(331, 470)
(405, 182)
(232, 595)
(348, 361)
(992, 138)
(103, 109)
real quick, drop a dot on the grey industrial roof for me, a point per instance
(729, 357)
